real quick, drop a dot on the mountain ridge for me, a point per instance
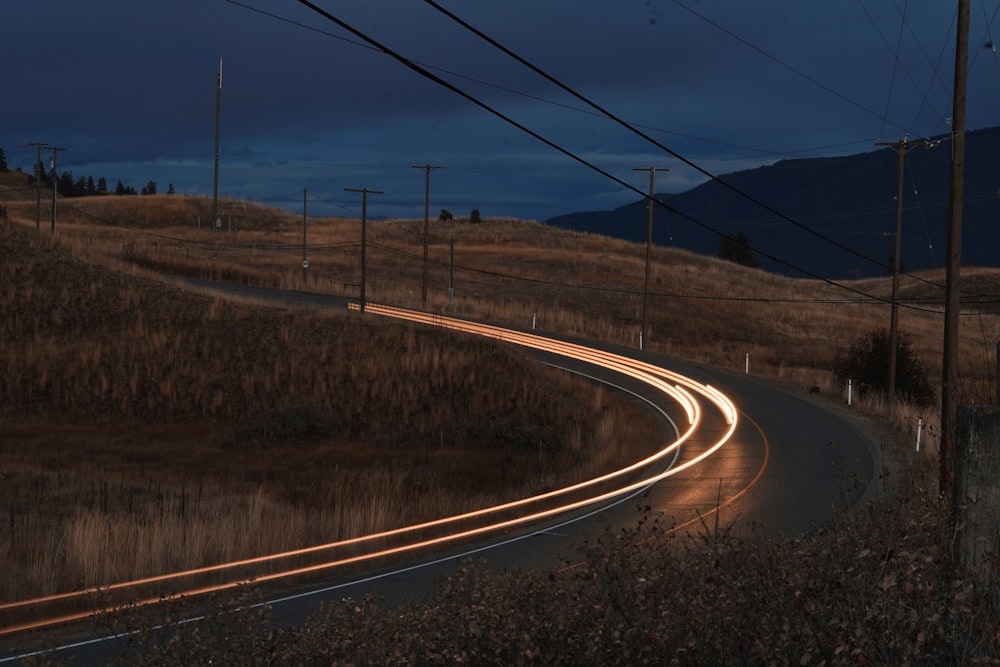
(842, 211)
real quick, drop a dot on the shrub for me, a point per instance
(866, 363)
(294, 425)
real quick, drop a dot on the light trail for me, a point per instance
(679, 388)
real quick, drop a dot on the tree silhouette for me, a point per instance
(866, 364)
(737, 249)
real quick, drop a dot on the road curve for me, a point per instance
(780, 468)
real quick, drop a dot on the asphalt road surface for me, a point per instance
(793, 462)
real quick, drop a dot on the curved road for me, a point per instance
(791, 462)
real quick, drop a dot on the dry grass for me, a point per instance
(874, 587)
(162, 381)
(206, 430)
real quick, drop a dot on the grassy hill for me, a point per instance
(15, 186)
(135, 411)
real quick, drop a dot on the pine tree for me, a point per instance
(66, 184)
(737, 249)
(3, 161)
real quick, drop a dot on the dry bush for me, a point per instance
(873, 587)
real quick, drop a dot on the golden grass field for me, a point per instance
(147, 427)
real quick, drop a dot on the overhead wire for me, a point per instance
(935, 77)
(782, 63)
(616, 290)
(912, 304)
(654, 142)
(990, 42)
(421, 70)
(566, 88)
(923, 218)
(895, 65)
(799, 152)
(433, 77)
(691, 164)
(935, 67)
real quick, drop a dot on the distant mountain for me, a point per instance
(843, 201)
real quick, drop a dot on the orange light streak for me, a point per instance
(657, 377)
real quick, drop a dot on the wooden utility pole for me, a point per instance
(896, 259)
(364, 215)
(38, 180)
(451, 271)
(952, 303)
(216, 222)
(427, 214)
(649, 244)
(55, 183)
(305, 261)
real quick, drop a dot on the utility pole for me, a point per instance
(451, 272)
(364, 215)
(55, 183)
(952, 301)
(38, 180)
(216, 222)
(649, 244)
(896, 258)
(427, 214)
(305, 262)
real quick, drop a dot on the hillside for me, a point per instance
(15, 186)
(135, 411)
(129, 404)
(847, 201)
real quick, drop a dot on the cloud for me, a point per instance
(130, 89)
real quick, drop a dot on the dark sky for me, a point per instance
(129, 89)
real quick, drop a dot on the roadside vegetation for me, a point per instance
(147, 430)
(139, 411)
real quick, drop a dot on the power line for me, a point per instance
(646, 137)
(896, 51)
(437, 79)
(623, 123)
(783, 64)
(910, 304)
(895, 66)
(798, 152)
(612, 116)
